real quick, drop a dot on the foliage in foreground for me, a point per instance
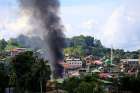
(130, 83)
(87, 84)
(26, 73)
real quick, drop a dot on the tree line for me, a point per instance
(88, 45)
(79, 46)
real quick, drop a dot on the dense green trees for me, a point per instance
(76, 51)
(25, 72)
(22, 66)
(3, 44)
(84, 41)
(71, 84)
(88, 45)
(12, 43)
(31, 73)
(87, 84)
(6, 45)
(41, 73)
(3, 79)
(85, 45)
(128, 83)
(82, 45)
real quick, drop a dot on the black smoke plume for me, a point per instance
(45, 15)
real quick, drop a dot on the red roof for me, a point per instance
(65, 65)
(97, 62)
(104, 75)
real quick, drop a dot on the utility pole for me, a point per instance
(41, 90)
(111, 54)
(111, 58)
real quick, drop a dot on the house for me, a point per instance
(90, 60)
(97, 62)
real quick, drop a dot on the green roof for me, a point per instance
(108, 61)
(59, 80)
(105, 81)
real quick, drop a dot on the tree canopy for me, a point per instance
(31, 72)
(87, 84)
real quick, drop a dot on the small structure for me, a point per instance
(97, 62)
(95, 71)
(89, 59)
(74, 74)
(16, 51)
(52, 86)
(105, 75)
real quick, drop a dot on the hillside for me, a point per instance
(78, 46)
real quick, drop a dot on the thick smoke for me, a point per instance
(44, 13)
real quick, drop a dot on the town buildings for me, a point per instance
(130, 66)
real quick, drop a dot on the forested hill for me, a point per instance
(83, 45)
(76, 46)
(88, 45)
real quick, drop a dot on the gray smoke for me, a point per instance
(44, 13)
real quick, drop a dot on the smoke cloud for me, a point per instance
(46, 23)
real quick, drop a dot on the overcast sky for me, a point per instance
(115, 22)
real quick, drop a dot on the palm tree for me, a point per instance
(41, 71)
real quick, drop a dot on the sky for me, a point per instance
(115, 22)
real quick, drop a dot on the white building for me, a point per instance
(130, 65)
(131, 61)
(74, 62)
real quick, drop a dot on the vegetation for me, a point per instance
(87, 84)
(27, 73)
(10, 44)
(81, 45)
(76, 46)
(3, 79)
(3, 44)
(128, 83)
(88, 45)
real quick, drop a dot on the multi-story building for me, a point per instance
(72, 66)
(130, 65)
(74, 62)
(131, 62)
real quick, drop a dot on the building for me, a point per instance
(72, 66)
(130, 66)
(74, 62)
(16, 51)
(89, 60)
(131, 62)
